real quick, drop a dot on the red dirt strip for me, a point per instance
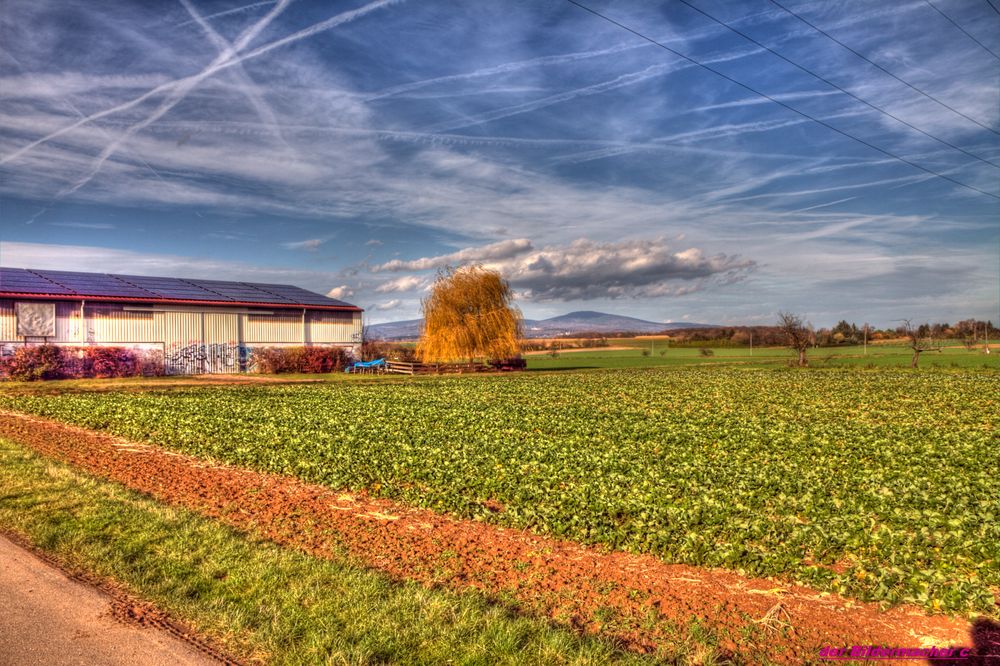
(637, 599)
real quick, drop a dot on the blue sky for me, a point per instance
(356, 148)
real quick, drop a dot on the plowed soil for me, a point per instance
(638, 600)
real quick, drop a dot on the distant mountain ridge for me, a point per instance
(582, 321)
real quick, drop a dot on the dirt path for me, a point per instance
(637, 599)
(50, 619)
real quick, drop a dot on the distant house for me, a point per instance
(200, 326)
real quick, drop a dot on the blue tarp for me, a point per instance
(357, 365)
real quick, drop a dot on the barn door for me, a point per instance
(222, 342)
(183, 352)
(202, 342)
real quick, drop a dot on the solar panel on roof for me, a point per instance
(188, 294)
(75, 283)
(302, 296)
(95, 284)
(23, 281)
(124, 291)
(239, 291)
(255, 297)
(299, 295)
(172, 288)
(270, 291)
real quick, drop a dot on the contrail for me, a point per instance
(230, 11)
(75, 109)
(837, 188)
(604, 86)
(251, 91)
(597, 88)
(822, 205)
(503, 69)
(519, 65)
(302, 34)
(257, 128)
(339, 19)
(754, 101)
(179, 92)
(667, 142)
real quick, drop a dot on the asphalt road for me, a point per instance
(47, 618)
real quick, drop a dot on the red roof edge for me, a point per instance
(131, 299)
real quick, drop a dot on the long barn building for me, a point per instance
(200, 326)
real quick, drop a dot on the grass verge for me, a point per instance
(257, 600)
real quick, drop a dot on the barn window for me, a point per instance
(118, 312)
(330, 317)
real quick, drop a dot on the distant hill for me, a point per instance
(583, 321)
(588, 321)
(395, 330)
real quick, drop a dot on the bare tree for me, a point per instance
(919, 341)
(797, 335)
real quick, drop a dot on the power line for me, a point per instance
(993, 7)
(966, 32)
(883, 69)
(834, 85)
(780, 103)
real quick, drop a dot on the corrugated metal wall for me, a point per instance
(182, 328)
(103, 323)
(281, 327)
(113, 323)
(69, 325)
(223, 327)
(8, 324)
(333, 327)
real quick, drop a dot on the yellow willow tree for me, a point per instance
(469, 315)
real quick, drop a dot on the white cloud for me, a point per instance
(341, 292)
(492, 252)
(404, 283)
(83, 225)
(389, 305)
(312, 244)
(587, 269)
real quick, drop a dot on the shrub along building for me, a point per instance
(199, 326)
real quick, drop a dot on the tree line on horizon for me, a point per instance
(974, 331)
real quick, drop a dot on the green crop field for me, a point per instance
(879, 484)
(645, 353)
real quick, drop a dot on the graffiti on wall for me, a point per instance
(214, 358)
